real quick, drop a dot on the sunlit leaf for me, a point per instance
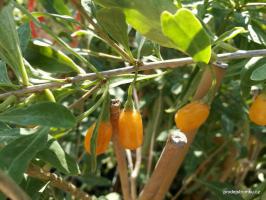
(228, 35)
(144, 16)
(187, 33)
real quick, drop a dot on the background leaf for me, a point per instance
(246, 72)
(4, 79)
(219, 188)
(8, 134)
(259, 74)
(45, 114)
(55, 155)
(228, 35)
(56, 6)
(24, 34)
(43, 56)
(113, 21)
(94, 180)
(16, 156)
(10, 51)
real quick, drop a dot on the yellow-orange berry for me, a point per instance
(103, 137)
(191, 116)
(130, 128)
(257, 111)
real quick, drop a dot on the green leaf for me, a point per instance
(94, 181)
(24, 34)
(4, 126)
(55, 155)
(10, 51)
(228, 35)
(4, 79)
(187, 33)
(8, 134)
(34, 187)
(113, 21)
(144, 16)
(44, 114)
(56, 6)
(16, 156)
(259, 74)
(245, 76)
(43, 56)
(257, 33)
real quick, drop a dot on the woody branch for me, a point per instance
(172, 63)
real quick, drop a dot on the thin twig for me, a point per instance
(9, 188)
(84, 97)
(56, 181)
(119, 152)
(172, 63)
(98, 54)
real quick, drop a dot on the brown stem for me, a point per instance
(56, 181)
(9, 188)
(173, 155)
(119, 152)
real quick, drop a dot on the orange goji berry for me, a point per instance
(257, 111)
(103, 137)
(191, 116)
(130, 129)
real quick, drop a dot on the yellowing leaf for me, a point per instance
(187, 33)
